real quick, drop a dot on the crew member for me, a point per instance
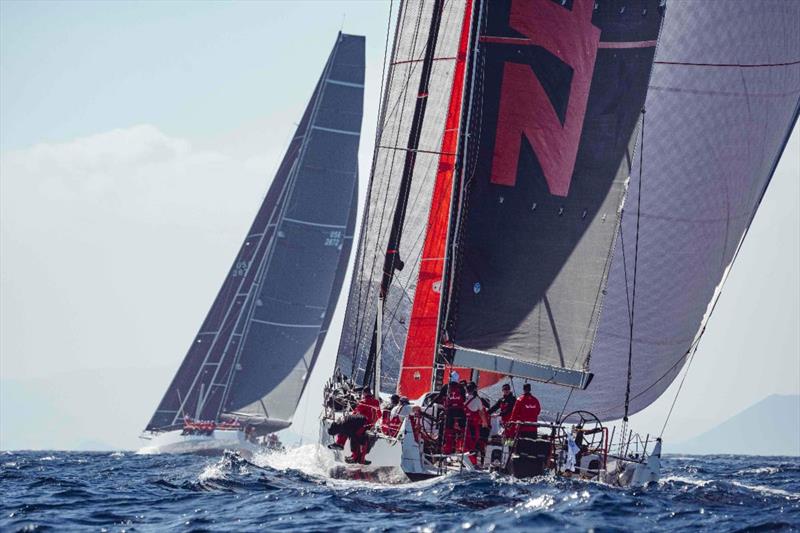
(476, 419)
(524, 415)
(505, 404)
(455, 418)
(368, 410)
(390, 421)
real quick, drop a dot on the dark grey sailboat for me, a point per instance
(247, 367)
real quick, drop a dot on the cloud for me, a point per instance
(104, 153)
(108, 239)
(136, 173)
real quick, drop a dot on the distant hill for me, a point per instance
(770, 427)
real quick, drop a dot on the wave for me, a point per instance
(292, 490)
(768, 491)
(685, 480)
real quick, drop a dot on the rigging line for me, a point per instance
(392, 261)
(678, 392)
(564, 409)
(404, 84)
(378, 133)
(404, 289)
(470, 160)
(692, 346)
(360, 337)
(635, 267)
(411, 277)
(625, 265)
(364, 304)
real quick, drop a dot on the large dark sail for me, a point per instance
(723, 99)
(259, 342)
(560, 93)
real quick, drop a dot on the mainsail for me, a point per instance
(407, 152)
(260, 340)
(723, 99)
(556, 105)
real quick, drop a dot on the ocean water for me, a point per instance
(290, 491)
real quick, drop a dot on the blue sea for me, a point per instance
(290, 491)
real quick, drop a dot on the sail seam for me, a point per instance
(316, 224)
(345, 83)
(416, 150)
(728, 65)
(602, 44)
(404, 61)
(283, 325)
(333, 130)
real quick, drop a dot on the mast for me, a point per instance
(392, 259)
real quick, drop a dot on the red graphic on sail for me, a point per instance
(417, 367)
(526, 110)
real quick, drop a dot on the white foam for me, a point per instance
(311, 459)
(757, 471)
(545, 501)
(217, 470)
(211, 472)
(768, 491)
(686, 480)
(317, 461)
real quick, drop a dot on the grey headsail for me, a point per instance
(723, 99)
(261, 338)
(555, 109)
(407, 156)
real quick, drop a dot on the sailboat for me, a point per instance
(249, 364)
(568, 182)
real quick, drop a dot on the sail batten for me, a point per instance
(266, 326)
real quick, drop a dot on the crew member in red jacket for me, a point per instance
(390, 421)
(505, 404)
(526, 411)
(455, 417)
(370, 408)
(476, 419)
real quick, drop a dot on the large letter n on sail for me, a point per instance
(526, 110)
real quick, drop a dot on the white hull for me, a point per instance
(401, 459)
(392, 459)
(214, 444)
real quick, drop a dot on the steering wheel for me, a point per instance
(587, 430)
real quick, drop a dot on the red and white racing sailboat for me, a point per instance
(558, 190)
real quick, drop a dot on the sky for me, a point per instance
(137, 140)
